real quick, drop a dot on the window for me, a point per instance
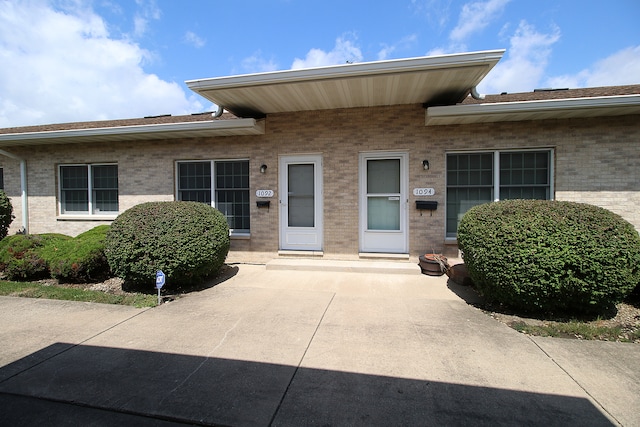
(472, 180)
(2, 179)
(222, 184)
(88, 189)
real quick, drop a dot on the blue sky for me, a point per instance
(75, 60)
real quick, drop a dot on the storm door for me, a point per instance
(301, 203)
(383, 202)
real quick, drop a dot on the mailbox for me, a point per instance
(426, 205)
(263, 203)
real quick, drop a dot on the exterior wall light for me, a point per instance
(263, 168)
(425, 165)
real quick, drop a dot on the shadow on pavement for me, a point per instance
(119, 386)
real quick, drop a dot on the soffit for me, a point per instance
(434, 80)
(533, 110)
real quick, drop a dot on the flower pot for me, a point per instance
(433, 264)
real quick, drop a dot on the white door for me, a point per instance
(383, 202)
(300, 192)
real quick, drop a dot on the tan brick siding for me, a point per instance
(596, 161)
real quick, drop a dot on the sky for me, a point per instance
(79, 60)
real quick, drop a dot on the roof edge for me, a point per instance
(454, 114)
(157, 128)
(347, 70)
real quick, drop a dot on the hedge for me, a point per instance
(81, 259)
(21, 255)
(6, 214)
(188, 241)
(550, 256)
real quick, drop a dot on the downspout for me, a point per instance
(218, 112)
(23, 188)
(476, 95)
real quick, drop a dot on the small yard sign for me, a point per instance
(160, 279)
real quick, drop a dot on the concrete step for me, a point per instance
(360, 266)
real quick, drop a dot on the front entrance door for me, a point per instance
(300, 193)
(383, 202)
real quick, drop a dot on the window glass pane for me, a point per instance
(383, 176)
(383, 213)
(460, 200)
(194, 182)
(469, 183)
(232, 193)
(525, 175)
(105, 188)
(74, 189)
(301, 198)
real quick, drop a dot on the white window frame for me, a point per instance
(232, 232)
(496, 174)
(90, 213)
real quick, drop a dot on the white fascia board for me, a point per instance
(132, 130)
(489, 57)
(441, 115)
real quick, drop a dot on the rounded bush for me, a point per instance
(6, 214)
(550, 256)
(79, 260)
(21, 255)
(188, 241)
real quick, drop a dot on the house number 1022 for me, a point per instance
(264, 193)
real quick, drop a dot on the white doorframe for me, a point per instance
(375, 239)
(309, 235)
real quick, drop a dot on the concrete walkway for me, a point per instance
(291, 348)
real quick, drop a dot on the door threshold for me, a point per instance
(289, 253)
(381, 256)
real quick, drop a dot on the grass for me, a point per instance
(580, 330)
(37, 290)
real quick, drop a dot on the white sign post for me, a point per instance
(160, 279)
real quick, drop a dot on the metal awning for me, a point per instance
(431, 80)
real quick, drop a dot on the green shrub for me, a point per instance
(21, 257)
(78, 260)
(6, 214)
(188, 241)
(550, 256)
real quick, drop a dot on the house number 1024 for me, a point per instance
(424, 191)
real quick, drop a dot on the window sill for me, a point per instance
(240, 236)
(86, 217)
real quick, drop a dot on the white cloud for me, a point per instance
(527, 59)
(387, 50)
(257, 64)
(147, 11)
(436, 11)
(61, 66)
(620, 68)
(194, 40)
(475, 17)
(345, 50)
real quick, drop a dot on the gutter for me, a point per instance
(615, 105)
(362, 69)
(23, 188)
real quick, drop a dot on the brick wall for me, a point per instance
(596, 161)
